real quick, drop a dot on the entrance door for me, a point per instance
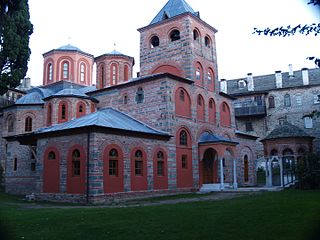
(209, 166)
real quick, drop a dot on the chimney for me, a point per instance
(27, 83)
(278, 75)
(305, 76)
(250, 82)
(290, 71)
(223, 85)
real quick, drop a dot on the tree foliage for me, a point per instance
(287, 31)
(308, 170)
(15, 29)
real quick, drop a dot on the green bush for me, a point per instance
(308, 171)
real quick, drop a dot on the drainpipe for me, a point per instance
(88, 156)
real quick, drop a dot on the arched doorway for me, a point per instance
(209, 166)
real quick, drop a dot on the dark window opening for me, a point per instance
(182, 95)
(139, 95)
(76, 163)
(207, 42)
(183, 138)
(28, 124)
(199, 100)
(195, 35)
(15, 164)
(184, 162)
(10, 124)
(155, 42)
(63, 111)
(52, 156)
(249, 126)
(33, 166)
(271, 102)
(81, 108)
(113, 167)
(125, 99)
(174, 35)
(160, 163)
(138, 163)
(258, 100)
(211, 104)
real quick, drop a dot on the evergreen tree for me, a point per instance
(15, 29)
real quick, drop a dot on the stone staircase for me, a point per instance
(215, 187)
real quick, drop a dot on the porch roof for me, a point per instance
(214, 138)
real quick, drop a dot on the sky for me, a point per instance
(101, 26)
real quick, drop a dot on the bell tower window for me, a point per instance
(154, 42)
(174, 35)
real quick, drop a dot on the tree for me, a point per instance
(15, 29)
(289, 30)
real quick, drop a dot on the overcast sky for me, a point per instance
(95, 26)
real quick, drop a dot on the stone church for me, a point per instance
(170, 129)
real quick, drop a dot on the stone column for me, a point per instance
(269, 172)
(235, 183)
(221, 174)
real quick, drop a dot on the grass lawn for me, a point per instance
(288, 214)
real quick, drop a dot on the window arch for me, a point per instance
(126, 73)
(81, 109)
(102, 77)
(287, 100)
(183, 138)
(210, 79)
(49, 72)
(174, 35)
(199, 73)
(242, 83)
(154, 42)
(63, 112)
(49, 114)
(212, 111)
(113, 162)
(28, 124)
(271, 102)
(65, 70)
(207, 42)
(200, 108)
(125, 99)
(182, 103)
(196, 35)
(82, 72)
(225, 115)
(10, 123)
(113, 74)
(140, 95)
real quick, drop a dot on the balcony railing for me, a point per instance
(248, 111)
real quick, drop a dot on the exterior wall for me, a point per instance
(183, 54)
(74, 58)
(122, 63)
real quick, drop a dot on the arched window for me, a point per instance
(51, 155)
(126, 73)
(49, 72)
(207, 42)
(271, 102)
(81, 109)
(225, 115)
(125, 99)
(28, 124)
(200, 108)
(212, 111)
(138, 163)
(140, 95)
(246, 168)
(242, 83)
(183, 138)
(196, 36)
(82, 72)
(210, 78)
(160, 163)
(63, 112)
(10, 124)
(113, 162)
(174, 35)
(49, 115)
(76, 163)
(65, 73)
(154, 42)
(182, 103)
(199, 73)
(113, 74)
(287, 100)
(102, 77)
(274, 152)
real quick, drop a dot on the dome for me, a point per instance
(31, 98)
(69, 48)
(70, 92)
(287, 130)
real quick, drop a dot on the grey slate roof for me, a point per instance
(173, 8)
(287, 130)
(69, 48)
(213, 138)
(31, 98)
(268, 82)
(106, 118)
(70, 92)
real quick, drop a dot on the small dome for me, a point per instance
(30, 98)
(70, 92)
(286, 130)
(68, 48)
(115, 52)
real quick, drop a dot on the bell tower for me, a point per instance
(179, 42)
